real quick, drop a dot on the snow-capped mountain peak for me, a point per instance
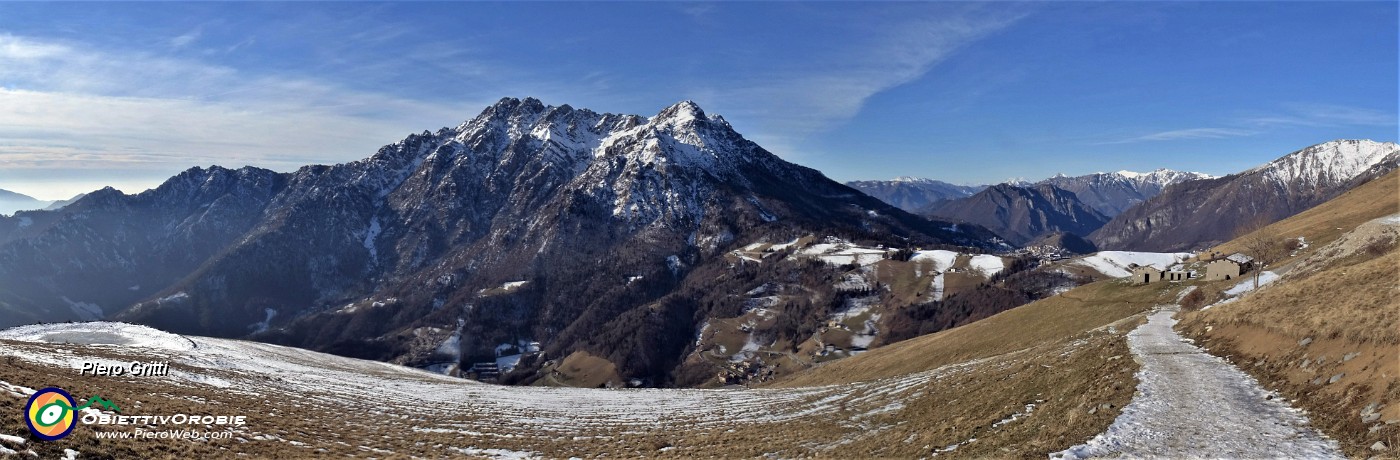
(1332, 162)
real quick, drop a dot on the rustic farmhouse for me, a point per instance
(1228, 268)
(1143, 274)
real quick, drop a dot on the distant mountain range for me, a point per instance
(1022, 211)
(1021, 214)
(914, 194)
(11, 202)
(1162, 210)
(594, 232)
(1107, 193)
(1200, 213)
(1112, 193)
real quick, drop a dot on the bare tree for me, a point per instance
(1261, 242)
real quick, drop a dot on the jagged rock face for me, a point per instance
(1022, 214)
(599, 215)
(1112, 193)
(913, 195)
(1201, 213)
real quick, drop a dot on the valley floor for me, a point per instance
(1191, 404)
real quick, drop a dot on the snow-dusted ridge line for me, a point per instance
(1191, 404)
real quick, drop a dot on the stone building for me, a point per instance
(1228, 268)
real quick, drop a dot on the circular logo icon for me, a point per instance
(49, 414)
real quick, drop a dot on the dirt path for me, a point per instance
(1191, 404)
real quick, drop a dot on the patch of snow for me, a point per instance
(856, 307)
(784, 246)
(503, 454)
(99, 334)
(853, 281)
(1030, 407)
(835, 251)
(1393, 219)
(941, 259)
(1192, 404)
(176, 297)
(1116, 264)
(937, 287)
(371, 234)
(1247, 285)
(987, 264)
(674, 263)
(11, 439)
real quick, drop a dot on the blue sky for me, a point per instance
(128, 94)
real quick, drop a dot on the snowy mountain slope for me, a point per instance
(602, 214)
(1328, 164)
(1199, 213)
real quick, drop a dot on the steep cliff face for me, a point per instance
(1204, 212)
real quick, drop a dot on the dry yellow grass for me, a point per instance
(1045, 321)
(1328, 334)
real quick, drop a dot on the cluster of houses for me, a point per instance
(1217, 267)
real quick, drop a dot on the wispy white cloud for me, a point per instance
(186, 39)
(1186, 134)
(1324, 115)
(69, 107)
(1293, 115)
(833, 87)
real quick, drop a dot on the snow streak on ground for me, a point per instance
(1244, 287)
(1248, 283)
(1191, 404)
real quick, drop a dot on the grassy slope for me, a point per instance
(1056, 353)
(1042, 322)
(1296, 335)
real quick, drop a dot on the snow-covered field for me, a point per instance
(837, 252)
(1191, 404)
(941, 259)
(1116, 264)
